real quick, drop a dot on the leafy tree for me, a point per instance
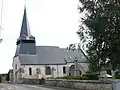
(101, 23)
(71, 47)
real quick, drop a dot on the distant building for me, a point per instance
(34, 62)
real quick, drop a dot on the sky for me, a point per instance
(52, 22)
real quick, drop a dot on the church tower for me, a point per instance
(25, 42)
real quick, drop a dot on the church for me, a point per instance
(36, 62)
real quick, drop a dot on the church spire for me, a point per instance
(25, 29)
(26, 42)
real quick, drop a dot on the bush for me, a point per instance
(92, 75)
(117, 77)
(74, 78)
(66, 77)
(84, 77)
(0, 78)
(88, 76)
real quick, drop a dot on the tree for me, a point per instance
(71, 47)
(101, 22)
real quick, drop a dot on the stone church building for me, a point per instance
(34, 62)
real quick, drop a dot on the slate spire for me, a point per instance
(25, 29)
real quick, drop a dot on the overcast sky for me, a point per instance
(52, 22)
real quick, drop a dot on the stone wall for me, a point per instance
(29, 81)
(32, 81)
(76, 84)
(81, 84)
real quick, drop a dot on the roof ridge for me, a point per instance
(48, 46)
(26, 55)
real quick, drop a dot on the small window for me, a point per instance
(30, 71)
(64, 70)
(48, 70)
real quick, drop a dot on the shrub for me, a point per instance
(87, 76)
(0, 78)
(84, 77)
(74, 78)
(117, 77)
(66, 77)
(92, 76)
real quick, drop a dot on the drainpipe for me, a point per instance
(57, 71)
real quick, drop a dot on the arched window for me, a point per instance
(15, 66)
(64, 70)
(30, 71)
(38, 71)
(48, 70)
(80, 73)
(72, 70)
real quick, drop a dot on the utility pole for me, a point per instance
(1, 28)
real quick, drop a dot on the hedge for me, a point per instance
(0, 78)
(83, 77)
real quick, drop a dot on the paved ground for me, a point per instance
(26, 87)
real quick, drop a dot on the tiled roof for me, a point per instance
(52, 55)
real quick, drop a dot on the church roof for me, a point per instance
(52, 55)
(28, 59)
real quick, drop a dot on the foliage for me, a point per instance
(72, 47)
(83, 77)
(117, 77)
(92, 76)
(101, 23)
(66, 77)
(0, 78)
(74, 78)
